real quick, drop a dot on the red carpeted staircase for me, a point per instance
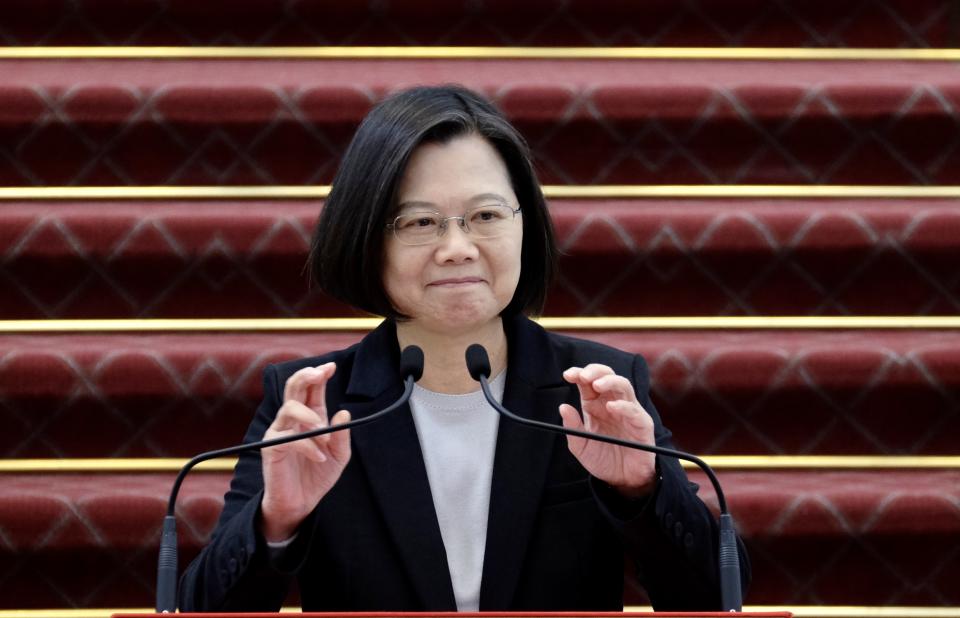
(816, 179)
(666, 256)
(190, 121)
(727, 393)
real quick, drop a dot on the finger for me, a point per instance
(316, 388)
(571, 420)
(612, 414)
(294, 416)
(340, 442)
(293, 388)
(574, 375)
(614, 386)
(593, 371)
(298, 418)
(297, 384)
(632, 418)
(585, 377)
(298, 448)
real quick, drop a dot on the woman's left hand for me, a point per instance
(610, 407)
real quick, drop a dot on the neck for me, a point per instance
(445, 367)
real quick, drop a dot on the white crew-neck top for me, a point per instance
(458, 438)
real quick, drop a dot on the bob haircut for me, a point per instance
(346, 255)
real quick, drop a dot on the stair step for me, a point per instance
(798, 611)
(814, 538)
(133, 121)
(891, 23)
(661, 256)
(771, 392)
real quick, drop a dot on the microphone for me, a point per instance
(478, 364)
(411, 369)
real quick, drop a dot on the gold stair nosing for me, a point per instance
(799, 611)
(415, 52)
(720, 462)
(571, 323)
(319, 192)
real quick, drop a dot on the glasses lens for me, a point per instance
(488, 221)
(417, 228)
(422, 228)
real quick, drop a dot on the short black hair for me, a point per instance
(346, 255)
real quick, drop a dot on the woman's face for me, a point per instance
(458, 282)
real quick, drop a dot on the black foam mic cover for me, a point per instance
(411, 362)
(478, 363)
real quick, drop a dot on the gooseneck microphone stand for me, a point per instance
(411, 368)
(478, 364)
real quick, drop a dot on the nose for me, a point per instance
(456, 245)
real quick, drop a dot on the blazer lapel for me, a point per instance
(534, 390)
(389, 451)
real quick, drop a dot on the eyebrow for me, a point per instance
(480, 197)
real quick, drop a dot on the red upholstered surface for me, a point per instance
(134, 122)
(869, 537)
(621, 257)
(720, 392)
(832, 537)
(872, 23)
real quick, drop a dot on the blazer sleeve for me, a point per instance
(671, 535)
(234, 571)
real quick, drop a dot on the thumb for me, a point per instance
(340, 441)
(571, 420)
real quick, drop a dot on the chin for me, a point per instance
(466, 316)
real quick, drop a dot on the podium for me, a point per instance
(472, 615)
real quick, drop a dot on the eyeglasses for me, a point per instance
(425, 226)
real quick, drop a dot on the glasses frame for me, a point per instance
(443, 225)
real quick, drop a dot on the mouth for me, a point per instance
(453, 282)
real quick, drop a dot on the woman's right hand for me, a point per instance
(298, 474)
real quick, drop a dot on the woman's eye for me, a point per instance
(418, 222)
(486, 215)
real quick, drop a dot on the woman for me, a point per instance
(436, 221)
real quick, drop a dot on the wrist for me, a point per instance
(634, 492)
(274, 527)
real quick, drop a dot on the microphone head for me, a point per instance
(411, 362)
(478, 363)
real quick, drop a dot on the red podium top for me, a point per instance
(475, 615)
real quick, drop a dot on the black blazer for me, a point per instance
(555, 537)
